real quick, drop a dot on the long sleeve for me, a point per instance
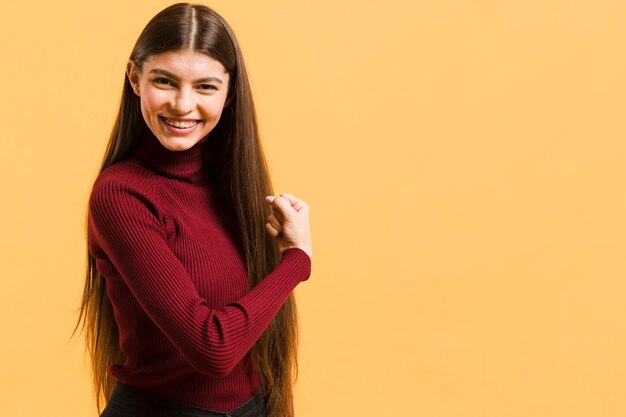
(124, 225)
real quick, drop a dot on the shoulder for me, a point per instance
(123, 183)
(126, 174)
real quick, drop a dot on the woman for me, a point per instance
(188, 307)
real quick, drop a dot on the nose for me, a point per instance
(183, 101)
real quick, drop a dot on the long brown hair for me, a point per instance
(237, 161)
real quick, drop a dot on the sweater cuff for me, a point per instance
(299, 260)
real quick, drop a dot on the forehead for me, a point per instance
(185, 64)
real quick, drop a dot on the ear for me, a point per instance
(230, 95)
(229, 99)
(133, 75)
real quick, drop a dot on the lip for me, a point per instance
(179, 119)
(180, 131)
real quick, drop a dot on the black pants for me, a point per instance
(130, 402)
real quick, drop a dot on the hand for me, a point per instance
(288, 223)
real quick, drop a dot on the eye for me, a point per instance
(207, 87)
(162, 81)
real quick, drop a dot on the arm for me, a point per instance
(213, 341)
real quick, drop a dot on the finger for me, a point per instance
(295, 202)
(270, 229)
(275, 223)
(283, 205)
(270, 200)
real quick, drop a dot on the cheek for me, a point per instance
(215, 108)
(147, 113)
(152, 100)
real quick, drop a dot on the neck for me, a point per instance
(184, 165)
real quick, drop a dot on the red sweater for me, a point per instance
(177, 279)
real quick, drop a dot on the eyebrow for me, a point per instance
(177, 78)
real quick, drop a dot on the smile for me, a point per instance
(180, 124)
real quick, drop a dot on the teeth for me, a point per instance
(181, 125)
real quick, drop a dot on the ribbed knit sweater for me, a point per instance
(177, 279)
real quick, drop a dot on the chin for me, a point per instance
(181, 144)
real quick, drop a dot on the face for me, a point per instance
(182, 96)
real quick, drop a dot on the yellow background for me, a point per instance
(465, 166)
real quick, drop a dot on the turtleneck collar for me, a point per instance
(183, 165)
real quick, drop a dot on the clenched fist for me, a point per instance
(288, 223)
